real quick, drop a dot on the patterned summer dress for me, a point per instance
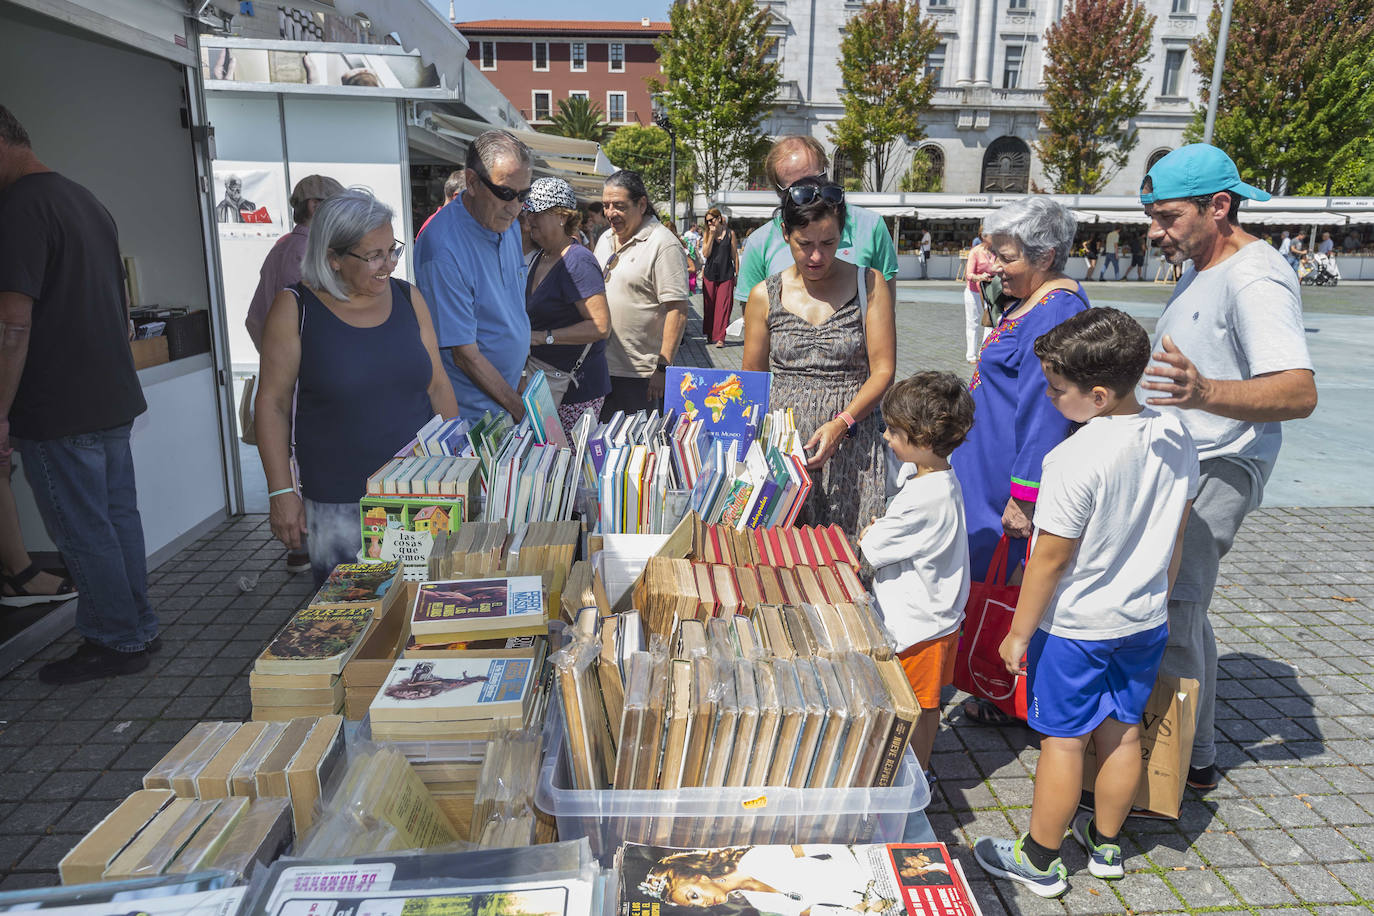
(817, 370)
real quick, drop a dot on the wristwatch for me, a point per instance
(548, 338)
(662, 365)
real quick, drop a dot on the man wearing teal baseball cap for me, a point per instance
(1231, 358)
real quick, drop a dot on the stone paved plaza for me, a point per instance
(1290, 829)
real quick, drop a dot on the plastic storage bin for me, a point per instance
(727, 816)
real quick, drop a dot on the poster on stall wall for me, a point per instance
(250, 202)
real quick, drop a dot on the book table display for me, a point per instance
(480, 700)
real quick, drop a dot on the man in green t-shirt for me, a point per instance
(864, 242)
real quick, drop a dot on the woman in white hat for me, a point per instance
(565, 297)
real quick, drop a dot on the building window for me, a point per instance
(1011, 69)
(541, 55)
(1155, 157)
(617, 57)
(935, 64)
(1173, 71)
(774, 47)
(1006, 167)
(937, 3)
(1018, 4)
(488, 55)
(1182, 7)
(844, 172)
(578, 56)
(542, 103)
(578, 94)
(615, 107)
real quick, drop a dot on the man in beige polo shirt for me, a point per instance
(645, 268)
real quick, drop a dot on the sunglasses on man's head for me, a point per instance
(501, 191)
(803, 194)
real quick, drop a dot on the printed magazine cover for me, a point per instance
(454, 688)
(810, 880)
(442, 607)
(319, 632)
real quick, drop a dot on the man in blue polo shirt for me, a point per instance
(470, 268)
(865, 241)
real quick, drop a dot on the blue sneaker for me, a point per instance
(1104, 859)
(1004, 859)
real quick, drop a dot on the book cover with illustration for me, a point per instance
(319, 639)
(358, 583)
(449, 689)
(463, 609)
(834, 880)
(380, 514)
(725, 400)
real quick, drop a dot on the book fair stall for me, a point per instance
(567, 673)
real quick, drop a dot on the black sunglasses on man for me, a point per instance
(500, 190)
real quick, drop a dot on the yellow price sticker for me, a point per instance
(752, 803)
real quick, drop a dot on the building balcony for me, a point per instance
(539, 117)
(988, 98)
(789, 93)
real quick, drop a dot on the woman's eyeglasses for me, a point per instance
(376, 260)
(803, 194)
(501, 191)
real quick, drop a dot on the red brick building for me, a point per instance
(536, 63)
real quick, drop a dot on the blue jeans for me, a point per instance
(84, 488)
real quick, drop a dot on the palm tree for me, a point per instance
(579, 119)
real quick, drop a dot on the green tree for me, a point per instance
(1094, 88)
(923, 174)
(646, 149)
(580, 119)
(885, 86)
(717, 85)
(1297, 93)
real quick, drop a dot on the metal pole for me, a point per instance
(672, 177)
(1218, 66)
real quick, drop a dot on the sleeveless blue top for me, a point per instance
(363, 394)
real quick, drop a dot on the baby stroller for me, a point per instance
(1320, 270)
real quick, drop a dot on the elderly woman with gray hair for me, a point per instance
(1015, 425)
(350, 370)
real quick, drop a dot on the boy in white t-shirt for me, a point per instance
(919, 548)
(1092, 619)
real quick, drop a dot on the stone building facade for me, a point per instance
(987, 108)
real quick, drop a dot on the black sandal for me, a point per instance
(22, 597)
(983, 712)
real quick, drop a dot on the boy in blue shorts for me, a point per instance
(1091, 621)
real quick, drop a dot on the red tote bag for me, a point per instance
(978, 669)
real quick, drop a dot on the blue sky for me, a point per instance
(556, 9)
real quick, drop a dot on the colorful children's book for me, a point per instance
(542, 411)
(728, 401)
(462, 610)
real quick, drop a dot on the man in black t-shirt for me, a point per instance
(68, 398)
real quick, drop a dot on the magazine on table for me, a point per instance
(899, 879)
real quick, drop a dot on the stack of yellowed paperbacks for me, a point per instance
(300, 672)
(803, 696)
(480, 549)
(227, 795)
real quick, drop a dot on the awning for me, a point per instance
(1120, 217)
(417, 25)
(581, 163)
(951, 212)
(1292, 217)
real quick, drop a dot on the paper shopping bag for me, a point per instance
(1166, 746)
(978, 667)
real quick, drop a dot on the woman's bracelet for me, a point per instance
(847, 417)
(281, 491)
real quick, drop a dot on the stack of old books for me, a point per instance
(798, 695)
(474, 652)
(299, 673)
(706, 571)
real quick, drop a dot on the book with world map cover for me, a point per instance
(729, 402)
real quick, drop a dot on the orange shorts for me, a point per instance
(929, 666)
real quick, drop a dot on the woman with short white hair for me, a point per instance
(350, 371)
(1014, 423)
